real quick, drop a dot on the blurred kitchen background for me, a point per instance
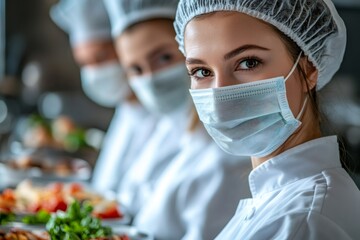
(38, 77)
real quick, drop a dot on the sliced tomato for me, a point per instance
(54, 204)
(109, 213)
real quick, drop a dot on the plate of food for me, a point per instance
(16, 168)
(37, 132)
(36, 135)
(76, 223)
(29, 199)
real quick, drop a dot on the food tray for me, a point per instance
(132, 232)
(124, 220)
(42, 169)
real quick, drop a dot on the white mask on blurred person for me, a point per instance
(105, 84)
(164, 91)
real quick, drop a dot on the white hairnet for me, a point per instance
(314, 25)
(83, 20)
(124, 13)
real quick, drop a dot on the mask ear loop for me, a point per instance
(302, 108)
(306, 97)
(294, 67)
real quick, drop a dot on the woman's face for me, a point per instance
(148, 47)
(95, 53)
(228, 48)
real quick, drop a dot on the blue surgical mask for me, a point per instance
(251, 119)
(105, 84)
(164, 91)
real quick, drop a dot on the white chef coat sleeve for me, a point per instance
(207, 201)
(300, 226)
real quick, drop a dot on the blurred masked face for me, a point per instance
(148, 47)
(102, 77)
(154, 65)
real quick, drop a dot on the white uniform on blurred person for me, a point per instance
(103, 81)
(197, 194)
(164, 94)
(187, 187)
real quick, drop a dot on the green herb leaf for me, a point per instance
(42, 217)
(6, 217)
(76, 223)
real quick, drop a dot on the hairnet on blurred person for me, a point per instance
(88, 27)
(103, 81)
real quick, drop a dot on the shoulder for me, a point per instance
(298, 226)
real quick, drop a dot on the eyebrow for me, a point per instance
(157, 51)
(229, 55)
(190, 61)
(241, 49)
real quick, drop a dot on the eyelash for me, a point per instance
(253, 58)
(193, 72)
(259, 62)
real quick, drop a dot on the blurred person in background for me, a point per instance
(103, 81)
(191, 191)
(256, 69)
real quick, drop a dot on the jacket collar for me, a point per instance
(302, 161)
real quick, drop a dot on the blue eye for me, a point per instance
(249, 64)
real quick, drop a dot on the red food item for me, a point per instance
(124, 237)
(54, 204)
(34, 207)
(8, 194)
(7, 200)
(109, 213)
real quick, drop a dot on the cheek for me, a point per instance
(194, 85)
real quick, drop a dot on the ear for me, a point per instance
(311, 74)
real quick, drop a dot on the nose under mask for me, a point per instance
(105, 84)
(164, 91)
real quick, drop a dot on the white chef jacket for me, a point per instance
(129, 130)
(164, 144)
(197, 194)
(303, 193)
